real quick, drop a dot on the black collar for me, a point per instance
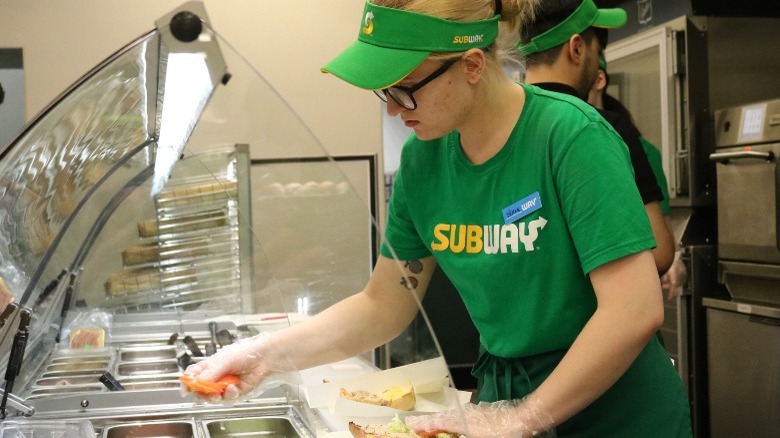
(559, 88)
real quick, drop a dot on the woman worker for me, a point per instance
(546, 239)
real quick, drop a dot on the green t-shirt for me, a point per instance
(565, 181)
(654, 157)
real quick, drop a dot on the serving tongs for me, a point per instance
(16, 356)
(110, 382)
(211, 347)
(192, 346)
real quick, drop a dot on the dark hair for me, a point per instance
(548, 14)
(613, 105)
(2, 93)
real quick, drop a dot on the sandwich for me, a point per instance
(399, 397)
(396, 428)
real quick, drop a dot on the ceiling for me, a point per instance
(714, 8)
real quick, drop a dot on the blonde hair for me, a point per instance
(514, 13)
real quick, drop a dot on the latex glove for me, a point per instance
(250, 360)
(503, 419)
(674, 278)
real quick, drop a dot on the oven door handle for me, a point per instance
(725, 157)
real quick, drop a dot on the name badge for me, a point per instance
(522, 208)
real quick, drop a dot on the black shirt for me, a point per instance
(643, 173)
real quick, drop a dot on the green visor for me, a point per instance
(602, 62)
(392, 42)
(585, 16)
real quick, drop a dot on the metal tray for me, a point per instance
(163, 429)
(266, 427)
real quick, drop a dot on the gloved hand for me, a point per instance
(674, 278)
(502, 419)
(250, 359)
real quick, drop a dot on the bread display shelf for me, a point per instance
(188, 255)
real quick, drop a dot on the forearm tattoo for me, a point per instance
(415, 267)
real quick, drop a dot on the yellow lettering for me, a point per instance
(458, 247)
(474, 239)
(442, 242)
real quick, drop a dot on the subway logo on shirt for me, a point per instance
(490, 239)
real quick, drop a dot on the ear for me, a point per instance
(576, 48)
(475, 62)
(601, 81)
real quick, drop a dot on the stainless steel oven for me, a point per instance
(744, 329)
(671, 77)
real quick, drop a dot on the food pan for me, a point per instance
(147, 353)
(162, 341)
(66, 374)
(133, 385)
(143, 368)
(46, 428)
(60, 360)
(65, 389)
(266, 427)
(172, 429)
(78, 366)
(68, 380)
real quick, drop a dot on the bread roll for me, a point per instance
(6, 297)
(399, 397)
(183, 223)
(139, 253)
(136, 280)
(150, 252)
(193, 194)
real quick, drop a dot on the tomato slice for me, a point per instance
(207, 388)
(431, 433)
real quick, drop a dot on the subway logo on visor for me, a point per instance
(368, 23)
(393, 28)
(468, 39)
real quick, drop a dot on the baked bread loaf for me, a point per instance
(197, 193)
(150, 252)
(144, 279)
(183, 223)
(399, 397)
(6, 297)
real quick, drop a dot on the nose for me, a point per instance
(393, 108)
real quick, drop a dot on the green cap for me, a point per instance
(585, 16)
(602, 62)
(393, 42)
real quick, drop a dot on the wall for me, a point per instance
(12, 100)
(286, 41)
(646, 14)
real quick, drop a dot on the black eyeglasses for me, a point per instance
(404, 95)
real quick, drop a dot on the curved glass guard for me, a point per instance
(171, 188)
